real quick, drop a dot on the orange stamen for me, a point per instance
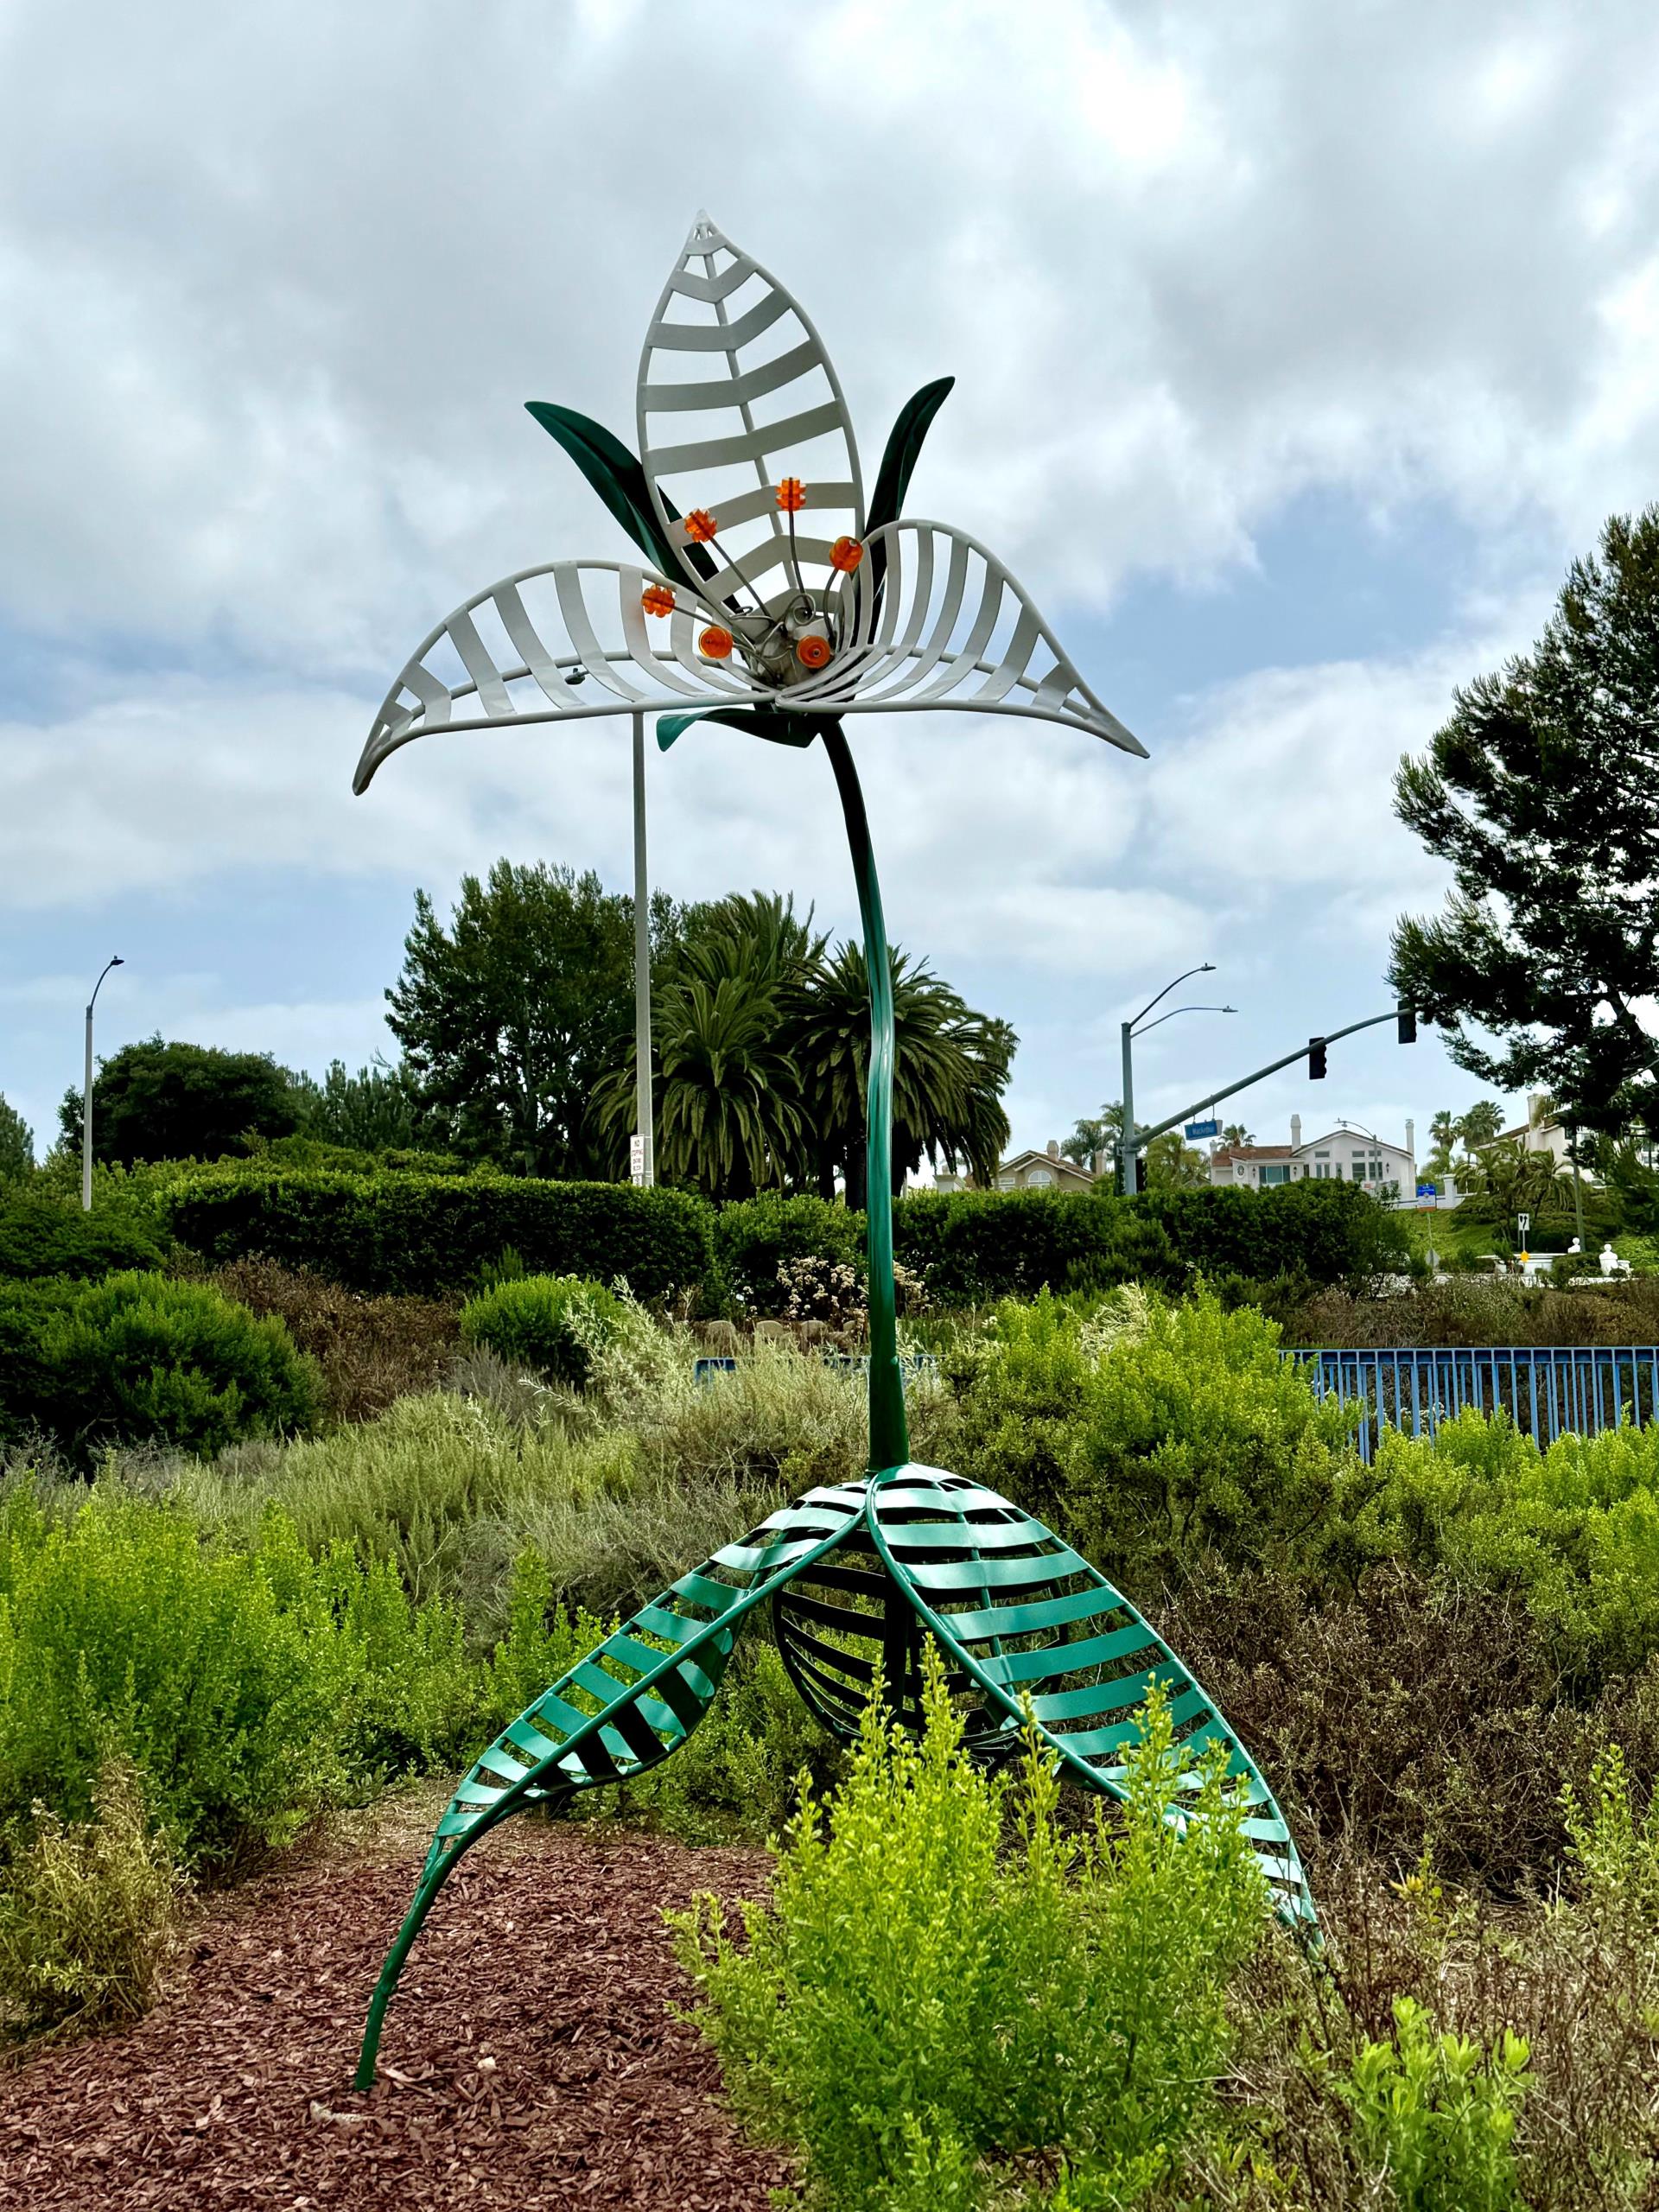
(657, 599)
(846, 554)
(791, 495)
(812, 651)
(714, 644)
(700, 525)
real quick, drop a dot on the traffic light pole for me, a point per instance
(1143, 1137)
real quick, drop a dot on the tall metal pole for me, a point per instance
(1130, 1157)
(642, 961)
(115, 961)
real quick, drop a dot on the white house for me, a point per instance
(1347, 1154)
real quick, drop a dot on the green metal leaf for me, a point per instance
(758, 722)
(903, 451)
(620, 480)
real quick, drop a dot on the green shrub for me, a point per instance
(916, 2005)
(89, 1913)
(971, 1248)
(251, 1688)
(1325, 1232)
(551, 1324)
(43, 1235)
(137, 1357)
(1434, 2118)
(1154, 1440)
(754, 1237)
(395, 1231)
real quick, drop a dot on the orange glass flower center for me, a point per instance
(791, 495)
(846, 554)
(812, 651)
(657, 599)
(700, 525)
(716, 644)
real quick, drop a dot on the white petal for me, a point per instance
(951, 627)
(508, 655)
(736, 393)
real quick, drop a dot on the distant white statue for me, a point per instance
(1611, 1263)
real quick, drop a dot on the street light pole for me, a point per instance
(1127, 1152)
(114, 960)
(643, 1111)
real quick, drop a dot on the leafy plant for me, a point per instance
(552, 1323)
(41, 1235)
(1434, 2117)
(916, 2008)
(89, 1912)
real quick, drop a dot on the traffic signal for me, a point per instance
(1316, 1059)
(1406, 1025)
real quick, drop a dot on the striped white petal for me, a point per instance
(736, 392)
(949, 627)
(564, 643)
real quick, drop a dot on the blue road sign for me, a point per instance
(1204, 1128)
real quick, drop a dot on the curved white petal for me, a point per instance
(950, 627)
(564, 643)
(736, 392)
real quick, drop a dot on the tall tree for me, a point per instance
(950, 1068)
(17, 1145)
(1481, 1123)
(155, 1101)
(1542, 792)
(508, 1016)
(377, 1109)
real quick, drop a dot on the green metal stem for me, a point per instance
(889, 1436)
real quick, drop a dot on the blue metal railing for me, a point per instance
(1548, 1390)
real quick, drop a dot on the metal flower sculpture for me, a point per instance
(776, 602)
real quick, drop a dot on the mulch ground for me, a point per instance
(529, 2058)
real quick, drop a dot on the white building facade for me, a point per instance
(1345, 1155)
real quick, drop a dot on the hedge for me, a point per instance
(398, 1231)
(973, 1247)
(401, 1231)
(41, 1235)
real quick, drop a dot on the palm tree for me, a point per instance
(1236, 1133)
(1482, 1124)
(950, 1066)
(1100, 1134)
(1509, 1181)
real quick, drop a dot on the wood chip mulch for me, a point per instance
(529, 2059)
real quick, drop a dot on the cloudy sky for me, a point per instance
(1298, 349)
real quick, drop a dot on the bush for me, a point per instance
(370, 1351)
(755, 1237)
(551, 1324)
(400, 1232)
(971, 1248)
(915, 2003)
(1325, 1232)
(139, 1359)
(1434, 2118)
(89, 1913)
(1154, 1441)
(43, 1235)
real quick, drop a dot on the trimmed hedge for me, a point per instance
(40, 1234)
(395, 1231)
(403, 1232)
(974, 1246)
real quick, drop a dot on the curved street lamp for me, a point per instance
(114, 960)
(784, 605)
(1128, 1152)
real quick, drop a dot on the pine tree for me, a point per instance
(1542, 792)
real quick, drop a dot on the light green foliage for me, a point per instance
(1434, 2118)
(89, 1913)
(1613, 1855)
(542, 1642)
(917, 2006)
(553, 1324)
(738, 1779)
(252, 1687)
(1154, 1435)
